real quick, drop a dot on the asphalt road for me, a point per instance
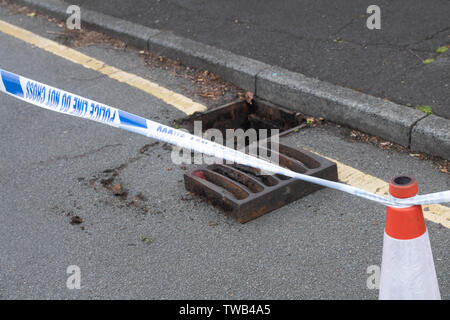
(322, 39)
(51, 167)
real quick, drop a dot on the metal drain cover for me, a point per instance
(260, 114)
(245, 194)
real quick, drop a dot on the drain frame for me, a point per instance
(229, 194)
(237, 114)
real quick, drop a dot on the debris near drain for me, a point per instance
(311, 121)
(145, 148)
(445, 169)
(107, 181)
(141, 197)
(357, 136)
(146, 240)
(187, 197)
(76, 220)
(204, 83)
(117, 189)
(249, 96)
(138, 205)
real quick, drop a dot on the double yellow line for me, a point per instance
(436, 213)
(179, 101)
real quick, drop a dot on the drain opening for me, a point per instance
(238, 176)
(256, 174)
(228, 184)
(260, 114)
(245, 193)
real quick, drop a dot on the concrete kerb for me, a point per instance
(239, 70)
(357, 110)
(432, 135)
(400, 124)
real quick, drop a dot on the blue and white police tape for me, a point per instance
(54, 99)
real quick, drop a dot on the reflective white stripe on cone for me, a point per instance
(407, 270)
(407, 267)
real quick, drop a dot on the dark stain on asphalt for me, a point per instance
(110, 180)
(141, 197)
(76, 220)
(145, 148)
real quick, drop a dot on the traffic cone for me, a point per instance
(407, 266)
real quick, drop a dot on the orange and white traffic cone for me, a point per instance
(407, 266)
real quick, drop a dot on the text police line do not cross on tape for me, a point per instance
(54, 99)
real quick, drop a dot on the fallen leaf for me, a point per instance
(117, 189)
(146, 239)
(442, 49)
(427, 109)
(310, 120)
(249, 97)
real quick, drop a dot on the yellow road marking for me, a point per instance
(435, 212)
(177, 100)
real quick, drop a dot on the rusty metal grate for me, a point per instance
(242, 115)
(245, 194)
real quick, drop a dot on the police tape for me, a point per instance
(61, 101)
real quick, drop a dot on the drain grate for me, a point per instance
(242, 191)
(245, 194)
